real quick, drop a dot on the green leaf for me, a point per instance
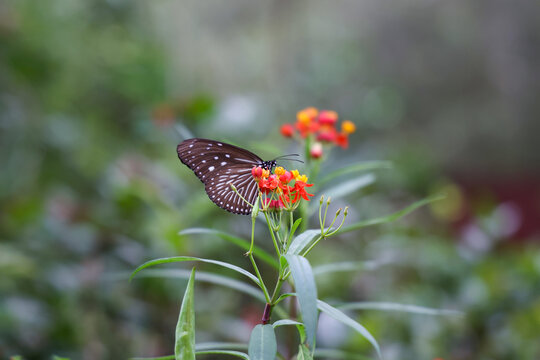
(220, 345)
(189, 258)
(391, 217)
(214, 279)
(338, 354)
(209, 278)
(303, 353)
(295, 226)
(202, 348)
(349, 266)
(372, 165)
(286, 322)
(302, 241)
(306, 291)
(389, 306)
(55, 357)
(184, 346)
(262, 343)
(225, 352)
(241, 243)
(340, 316)
(201, 352)
(349, 187)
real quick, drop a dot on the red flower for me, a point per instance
(270, 184)
(327, 134)
(287, 130)
(300, 191)
(259, 173)
(342, 140)
(328, 117)
(276, 204)
(286, 177)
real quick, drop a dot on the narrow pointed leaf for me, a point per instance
(350, 186)
(190, 258)
(225, 352)
(340, 316)
(241, 243)
(389, 306)
(349, 266)
(302, 241)
(306, 292)
(262, 343)
(295, 226)
(220, 345)
(286, 322)
(339, 354)
(207, 277)
(184, 347)
(372, 165)
(391, 217)
(214, 279)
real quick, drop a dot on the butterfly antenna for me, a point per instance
(284, 156)
(298, 160)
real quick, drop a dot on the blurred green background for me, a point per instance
(95, 95)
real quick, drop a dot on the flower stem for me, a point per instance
(272, 234)
(255, 267)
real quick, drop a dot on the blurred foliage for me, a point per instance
(90, 187)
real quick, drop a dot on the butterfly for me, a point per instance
(218, 165)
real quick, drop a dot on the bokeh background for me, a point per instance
(95, 95)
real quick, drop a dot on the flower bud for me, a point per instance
(316, 150)
(279, 171)
(307, 115)
(348, 127)
(287, 130)
(322, 199)
(328, 117)
(338, 212)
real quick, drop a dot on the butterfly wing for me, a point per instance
(218, 165)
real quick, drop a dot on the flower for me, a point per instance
(300, 191)
(287, 130)
(316, 150)
(328, 117)
(307, 115)
(274, 205)
(342, 140)
(281, 190)
(286, 177)
(348, 127)
(327, 134)
(279, 171)
(259, 173)
(322, 126)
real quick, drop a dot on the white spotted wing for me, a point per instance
(218, 165)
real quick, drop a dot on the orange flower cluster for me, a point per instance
(322, 124)
(278, 188)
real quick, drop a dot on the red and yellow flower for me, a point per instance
(281, 190)
(322, 126)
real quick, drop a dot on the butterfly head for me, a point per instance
(268, 165)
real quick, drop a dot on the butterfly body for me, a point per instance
(218, 165)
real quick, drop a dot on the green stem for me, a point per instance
(255, 267)
(272, 234)
(263, 287)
